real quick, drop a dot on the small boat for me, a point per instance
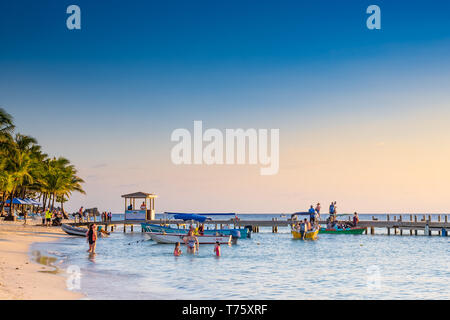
(74, 231)
(310, 235)
(147, 227)
(79, 231)
(176, 237)
(342, 231)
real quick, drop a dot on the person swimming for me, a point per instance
(177, 252)
(217, 249)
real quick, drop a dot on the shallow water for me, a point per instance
(267, 266)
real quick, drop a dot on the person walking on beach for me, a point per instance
(191, 242)
(80, 214)
(217, 249)
(92, 238)
(48, 217)
(177, 252)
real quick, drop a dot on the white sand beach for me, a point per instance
(20, 278)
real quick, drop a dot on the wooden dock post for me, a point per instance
(410, 230)
(124, 228)
(388, 229)
(415, 220)
(112, 228)
(439, 220)
(132, 228)
(401, 229)
(395, 228)
(372, 229)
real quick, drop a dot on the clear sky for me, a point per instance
(363, 114)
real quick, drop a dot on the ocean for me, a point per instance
(267, 266)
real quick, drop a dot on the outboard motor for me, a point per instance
(235, 235)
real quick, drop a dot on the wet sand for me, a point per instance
(20, 277)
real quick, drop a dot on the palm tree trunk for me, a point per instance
(11, 205)
(3, 202)
(44, 201)
(62, 209)
(53, 202)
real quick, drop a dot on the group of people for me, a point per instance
(303, 226)
(51, 217)
(192, 243)
(106, 216)
(314, 217)
(333, 223)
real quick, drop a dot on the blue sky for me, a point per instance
(137, 70)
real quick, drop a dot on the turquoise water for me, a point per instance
(267, 266)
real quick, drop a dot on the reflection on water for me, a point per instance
(46, 261)
(267, 266)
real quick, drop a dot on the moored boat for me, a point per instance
(342, 231)
(161, 237)
(74, 231)
(147, 227)
(81, 232)
(310, 235)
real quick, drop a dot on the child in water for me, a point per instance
(217, 249)
(177, 250)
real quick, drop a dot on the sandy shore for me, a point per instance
(19, 276)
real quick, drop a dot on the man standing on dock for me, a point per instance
(355, 219)
(312, 214)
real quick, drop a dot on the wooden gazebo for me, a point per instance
(144, 211)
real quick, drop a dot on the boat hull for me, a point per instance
(157, 228)
(310, 235)
(74, 231)
(176, 237)
(342, 231)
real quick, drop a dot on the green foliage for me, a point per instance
(25, 171)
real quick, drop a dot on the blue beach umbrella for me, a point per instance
(16, 201)
(32, 202)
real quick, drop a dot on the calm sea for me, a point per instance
(267, 266)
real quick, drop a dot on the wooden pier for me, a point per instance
(393, 224)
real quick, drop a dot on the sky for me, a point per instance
(363, 114)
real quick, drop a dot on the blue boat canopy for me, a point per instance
(204, 214)
(187, 216)
(300, 214)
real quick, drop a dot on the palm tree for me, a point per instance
(25, 170)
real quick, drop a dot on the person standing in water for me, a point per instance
(191, 242)
(217, 249)
(355, 219)
(91, 236)
(177, 252)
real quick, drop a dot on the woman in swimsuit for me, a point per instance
(191, 242)
(91, 238)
